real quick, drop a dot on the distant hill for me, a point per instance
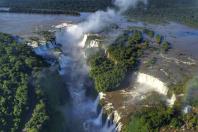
(89, 5)
(171, 3)
(66, 5)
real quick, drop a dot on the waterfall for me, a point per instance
(172, 100)
(64, 62)
(112, 128)
(96, 102)
(84, 110)
(151, 84)
(146, 83)
(87, 43)
(98, 120)
(43, 49)
(106, 123)
(84, 40)
(93, 44)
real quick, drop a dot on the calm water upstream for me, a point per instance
(26, 25)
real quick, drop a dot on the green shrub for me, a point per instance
(165, 46)
(150, 33)
(136, 37)
(109, 80)
(155, 117)
(109, 71)
(158, 38)
(136, 124)
(38, 119)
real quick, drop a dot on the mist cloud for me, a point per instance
(192, 91)
(95, 23)
(123, 5)
(99, 20)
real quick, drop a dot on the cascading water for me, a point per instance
(84, 111)
(146, 83)
(82, 43)
(151, 84)
(98, 120)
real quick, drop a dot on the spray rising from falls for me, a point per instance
(84, 109)
(125, 4)
(99, 20)
(73, 66)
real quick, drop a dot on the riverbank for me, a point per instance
(63, 5)
(28, 25)
(39, 11)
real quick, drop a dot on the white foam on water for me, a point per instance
(172, 100)
(151, 84)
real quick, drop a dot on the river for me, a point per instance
(84, 114)
(182, 37)
(26, 25)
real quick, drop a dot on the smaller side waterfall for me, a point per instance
(98, 120)
(64, 62)
(99, 124)
(96, 102)
(151, 84)
(146, 83)
(89, 41)
(84, 40)
(93, 44)
(172, 100)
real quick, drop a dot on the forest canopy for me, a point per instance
(66, 5)
(18, 95)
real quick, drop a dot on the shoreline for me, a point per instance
(38, 11)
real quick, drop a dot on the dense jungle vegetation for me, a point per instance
(159, 117)
(108, 71)
(55, 6)
(122, 56)
(157, 11)
(25, 102)
(18, 94)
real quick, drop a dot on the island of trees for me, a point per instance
(110, 69)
